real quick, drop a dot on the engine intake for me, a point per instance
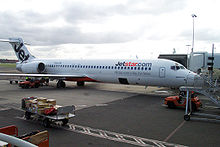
(41, 67)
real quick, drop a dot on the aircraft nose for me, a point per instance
(194, 79)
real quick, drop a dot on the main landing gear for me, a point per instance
(61, 84)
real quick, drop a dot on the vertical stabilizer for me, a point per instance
(20, 49)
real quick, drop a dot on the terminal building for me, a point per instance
(195, 61)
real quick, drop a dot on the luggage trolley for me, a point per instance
(63, 114)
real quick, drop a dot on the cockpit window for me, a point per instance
(173, 67)
(182, 67)
(177, 67)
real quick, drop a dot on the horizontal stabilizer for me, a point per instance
(13, 40)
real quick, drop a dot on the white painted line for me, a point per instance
(129, 139)
(81, 106)
(139, 141)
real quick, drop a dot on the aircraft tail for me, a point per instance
(20, 49)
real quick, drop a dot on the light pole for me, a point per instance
(193, 16)
(188, 45)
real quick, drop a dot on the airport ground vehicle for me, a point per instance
(48, 114)
(180, 101)
(41, 139)
(31, 83)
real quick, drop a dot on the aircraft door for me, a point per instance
(162, 72)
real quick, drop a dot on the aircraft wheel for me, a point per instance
(58, 84)
(46, 122)
(63, 84)
(80, 83)
(186, 117)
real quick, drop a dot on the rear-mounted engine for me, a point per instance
(33, 67)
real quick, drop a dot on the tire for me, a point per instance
(27, 115)
(80, 83)
(182, 93)
(63, 84)
(37, 85)
(26, 86)
(10, 82)
(65, 121)
(186, 117)
(58, 84)
(46, 123)
(170, 105)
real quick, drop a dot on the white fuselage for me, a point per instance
(158, 72)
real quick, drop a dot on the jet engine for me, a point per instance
(33, 67)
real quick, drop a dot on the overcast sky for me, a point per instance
(81, 29)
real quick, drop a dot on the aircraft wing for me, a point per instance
(50, 76)
(41, 75)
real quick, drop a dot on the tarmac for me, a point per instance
(111, 115)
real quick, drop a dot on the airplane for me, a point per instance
(157, 72)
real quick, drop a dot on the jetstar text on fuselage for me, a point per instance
(133, 64)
